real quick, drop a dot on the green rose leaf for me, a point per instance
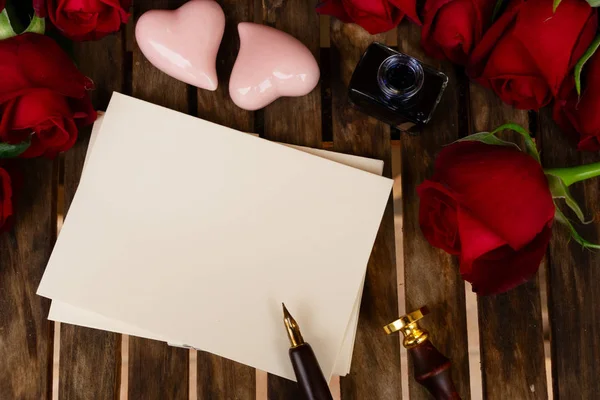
(491, 138)
(593, 3)
(37, 25)
(497, 9)
(560, 217)
(560, 190)
(571, 175)
(586, 56)
(13, 150)
(530, 147)
(488, 138)
(555, 5)
(6, 29)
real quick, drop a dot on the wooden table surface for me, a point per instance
(510, 325)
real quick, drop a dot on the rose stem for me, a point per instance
(576, 174)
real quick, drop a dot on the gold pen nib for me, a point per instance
(293, 330)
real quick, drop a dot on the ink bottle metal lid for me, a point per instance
(400, 77)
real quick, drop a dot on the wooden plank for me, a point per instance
(26, 336)
(510, 325)
(90, 355)
(156, 370)
(293, 120)
(573, 279)
(217, 106)
(217, 377)
(375, 372)
(431, 276)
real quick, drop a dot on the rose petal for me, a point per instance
(452, 27)
(88, 19)
(5, 197)
(375, 16)
(550, 37)
(522, 92)
(504, 268)
(335, 8)
(503, 188)
(579, 117)
(49, 117)
(408, 8)
(109, 21)
(476, 237)
(514, 75)
(35, 61)
(479, 57)
(437, 216)
(589, 143)
(36, 107)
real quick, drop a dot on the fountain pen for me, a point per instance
(311, 381)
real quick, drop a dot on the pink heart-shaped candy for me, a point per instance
(184, 43)
(270, 64)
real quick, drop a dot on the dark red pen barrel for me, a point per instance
(310, 378)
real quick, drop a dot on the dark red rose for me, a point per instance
(6, 207)
(452, 28)
(375, 16)
(491, 206)
(580, 117)
(42, 95)
(88, 19)
(527, 53)
(2, 5)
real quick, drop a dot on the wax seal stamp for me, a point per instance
(184, 43)
(431, 368)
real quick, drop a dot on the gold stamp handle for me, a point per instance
(407, 324)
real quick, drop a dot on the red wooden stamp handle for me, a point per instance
(432, 370)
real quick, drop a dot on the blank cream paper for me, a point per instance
(190, 231)
(63, 312)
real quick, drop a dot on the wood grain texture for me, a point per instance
(510, 325)
(156, 370)
(220, 378)
(90, 355)
(573, 278)
(431, 275)
(295, 120)
(26, 336)
(217, 377)
(375, 372)
(217, 106)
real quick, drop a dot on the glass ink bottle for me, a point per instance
(396, 88)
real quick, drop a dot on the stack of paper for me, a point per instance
(192, 233)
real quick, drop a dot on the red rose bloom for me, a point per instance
(88, 19)
(6, 208)
(528, 52)
(375, 16)
(580, 117)
(452, 28)
(42, 95)
(491, 206)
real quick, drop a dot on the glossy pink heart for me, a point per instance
(270, 64)
(184, 43)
